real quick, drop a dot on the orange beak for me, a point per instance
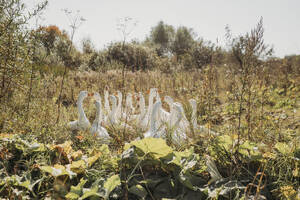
(91, 94)
(148, 91)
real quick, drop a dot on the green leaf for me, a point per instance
(250, 150)
(156, 147)
(90, 193)
(76, 191)
(54, 171)
(283, 148)
(72, 196)
(78, 166)
(110, 184)
(226, 141)
(139, 191)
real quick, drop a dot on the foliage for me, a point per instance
(247, 146)
(163, 36)
(134, 57)
(183, 41)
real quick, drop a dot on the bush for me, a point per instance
(133, 56)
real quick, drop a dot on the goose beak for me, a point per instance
(91, 94)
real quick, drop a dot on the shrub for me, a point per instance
(132, 56)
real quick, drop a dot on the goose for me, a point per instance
(177, 113)
(128, 115)
(106, 101)
(141, 119)
(165, 115)
(169, 100)
(118, 113)
(96, 129)
(184, 123)
(112, 115)
(154, 130)
(129, 107)
(103, 117)
(193, 104)
(82, 123)
(146, 120)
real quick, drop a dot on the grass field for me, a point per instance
(255, 156)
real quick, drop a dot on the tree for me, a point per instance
(16, 45)
(48, 35)
(87, 46)
(183, 42)
(163, 36)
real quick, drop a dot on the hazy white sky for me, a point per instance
(208, 18)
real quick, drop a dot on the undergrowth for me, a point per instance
(43, 159)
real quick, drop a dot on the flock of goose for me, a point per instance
(153, 119)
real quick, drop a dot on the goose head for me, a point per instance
(82, 95)
(153, 92)
(129, 98)
(97, 96)
(97, 104)
(113, 99)
(193, 104)
(119, 94)
(169, 100)
(178, 111)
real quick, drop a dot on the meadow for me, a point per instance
(248, 146)
(42, 158)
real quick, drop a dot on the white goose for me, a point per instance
(112, 115)
(106, 101)
(118, 113)
(142, 119)
(170, 102)
(129, 107)
(96, 129)
(193, 104)
(98, 98)
(146, 121)
(154, 130)
(82, 123)
(165, 115)
(184, 123)
(178, 135)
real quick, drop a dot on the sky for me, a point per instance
(208, 19)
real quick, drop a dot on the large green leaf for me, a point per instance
(55, 171)
(110, 184)
(250, 149)
(156, 147)
(78, 166)
(76, 191)
(226, 141)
